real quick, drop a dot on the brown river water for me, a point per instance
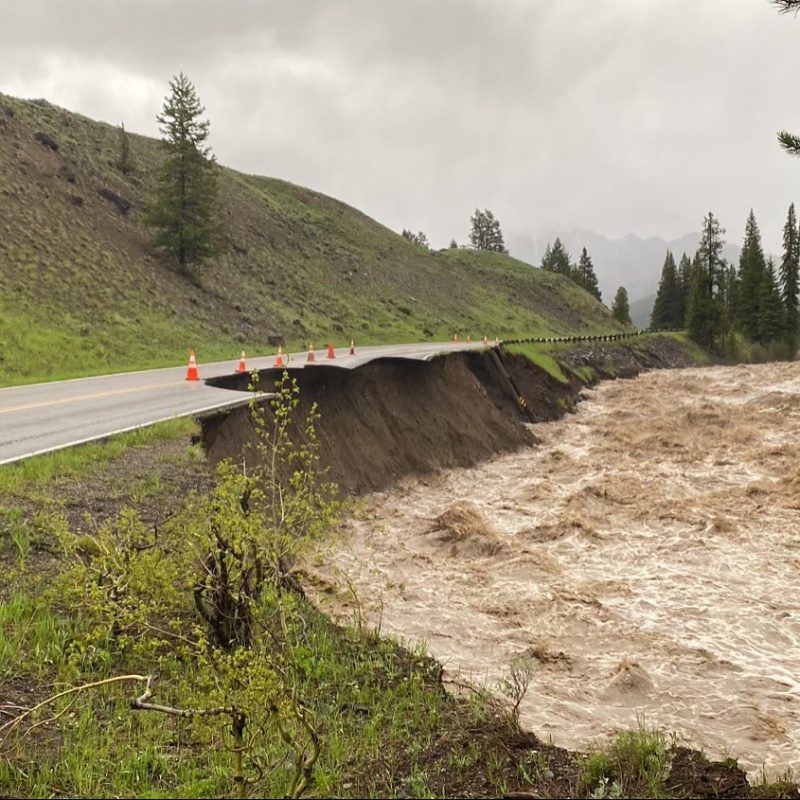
(645, 556)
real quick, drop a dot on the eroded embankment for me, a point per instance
(394, 418)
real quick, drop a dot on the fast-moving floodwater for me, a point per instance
(645, 556)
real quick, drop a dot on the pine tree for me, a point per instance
(772, 318)
(183, 206)
(668, 307)
(699, 309)
(704, 311)
(752, 267)
(790, 266)
(621, 310)
(728, 300)
(685, 274)
(125, 164)
(585, 277)
(485, 233)
(556, 258)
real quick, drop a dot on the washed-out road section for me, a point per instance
(38, 418)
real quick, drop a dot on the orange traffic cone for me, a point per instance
(242, 366)
(331, 354)
(279, 357)
(191, 373)
(352, 348)
(311, 352)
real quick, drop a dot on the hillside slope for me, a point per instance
(82, 291)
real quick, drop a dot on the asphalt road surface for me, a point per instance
(38, 418)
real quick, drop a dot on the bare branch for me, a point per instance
(142, 704)
(9, 727)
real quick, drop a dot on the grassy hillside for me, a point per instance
(82, 292)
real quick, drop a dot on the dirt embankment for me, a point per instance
(394, 418)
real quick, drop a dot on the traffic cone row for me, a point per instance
(469, 339)
(280, 361)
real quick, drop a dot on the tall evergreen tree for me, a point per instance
(710, 251)
(620, 309)
(699, 308)
(728, 298)
(556, 258)
(668, 307)
(704, 310)
(184, 202)
(685, 273)
(752, 266)
(772, 317)
(790, 266)
(584, 275)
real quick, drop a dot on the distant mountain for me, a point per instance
(632, 262)
(641, 310)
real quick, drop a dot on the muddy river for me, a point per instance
(645, 557)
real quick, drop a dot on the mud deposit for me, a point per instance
(645, 556)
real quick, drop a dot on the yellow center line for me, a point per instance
(42, 404)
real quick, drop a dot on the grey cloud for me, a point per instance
(621, 116)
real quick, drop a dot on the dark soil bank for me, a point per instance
(393, 418)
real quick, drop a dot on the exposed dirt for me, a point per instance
(645, 555)
(395, 418)
(392, 418)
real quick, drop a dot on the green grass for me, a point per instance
(72, 461)
(539, 355)
(33, 638)
(635, 764)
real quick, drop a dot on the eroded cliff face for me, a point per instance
(394, 418)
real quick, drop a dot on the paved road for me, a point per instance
(48, 416)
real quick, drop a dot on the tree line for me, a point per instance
(714, 299)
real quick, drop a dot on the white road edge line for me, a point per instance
(230, 404)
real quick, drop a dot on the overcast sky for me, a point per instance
(621, 116)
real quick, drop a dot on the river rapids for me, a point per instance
(645, 558)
